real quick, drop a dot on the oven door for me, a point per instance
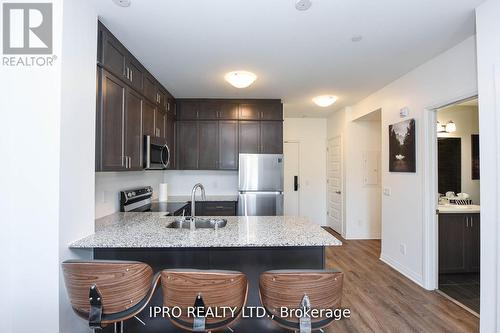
(156, 153)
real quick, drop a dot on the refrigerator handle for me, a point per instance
(295, 183)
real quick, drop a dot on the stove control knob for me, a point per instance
(129, 194)
(133, 193)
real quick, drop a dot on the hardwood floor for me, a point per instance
(383, 300)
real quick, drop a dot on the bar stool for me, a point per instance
(108, 292)
(299, 289)
(204, 289)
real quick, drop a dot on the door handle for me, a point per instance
(338, 192)
(295, 183)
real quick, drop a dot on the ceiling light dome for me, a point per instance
(240, 79)
(451, 127)
(324, 100)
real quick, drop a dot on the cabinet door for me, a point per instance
(228, 145)
(271, 137)
(453, 238)
(135, 74)
(170, 129)
(148, 118)
(111, 132)
(249, 137)
(187, 145)
(249, 111)
(208, 151)
(229, 111)
(187, 110)
(474, 242)
(133, 130)
(114, 55)
(271, 111)
(149, 89)
(219, 208)
(162, 99)
(208, 110)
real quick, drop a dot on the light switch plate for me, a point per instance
(387, 191)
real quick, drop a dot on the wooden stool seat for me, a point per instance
(108, 292)
(288, 288)
(205, 288)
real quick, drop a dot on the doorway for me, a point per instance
(458, 203)
(292, 178)
(334, 182)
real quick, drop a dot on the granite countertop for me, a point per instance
(458, 209)
(149, 230)
(186, 198)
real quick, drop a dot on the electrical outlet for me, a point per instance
(387, 191)
(402, 249)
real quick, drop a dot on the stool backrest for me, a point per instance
(122, 284)
(287, 289)
(217, 289)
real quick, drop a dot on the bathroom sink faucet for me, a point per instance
(193, 199)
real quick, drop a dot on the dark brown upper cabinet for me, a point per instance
(261, 111)
(133, 130)
(187, 144)
(228, 145)
(135, 74)
(187, 110)
(110, 124)
(208, 145)
(229, 111)
(150, 88)
(112, 55)
(249, 137)
(271, 137)
(119, 131)
(208, 110)
(148, 118)
(170, 131)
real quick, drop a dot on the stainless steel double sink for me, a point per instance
(199, 223)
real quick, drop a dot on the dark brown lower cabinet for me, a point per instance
(228, 145)
(459, 243)
(215, 208)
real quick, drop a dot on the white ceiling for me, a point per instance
(189, 45)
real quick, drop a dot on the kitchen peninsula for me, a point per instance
(250, 244)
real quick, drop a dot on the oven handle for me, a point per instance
(165, 165)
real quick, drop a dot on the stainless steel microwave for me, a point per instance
(156, 153)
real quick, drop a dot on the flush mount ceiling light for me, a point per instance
(303, 4)
(324, 100)
(240, 79)
(122, 3)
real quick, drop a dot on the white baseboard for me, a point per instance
(403, 270)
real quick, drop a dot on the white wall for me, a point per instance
(467, 120)
(363, 202)
(78, 106)
(449, 76)
(311, 134)
(488, 54)
(30, 121)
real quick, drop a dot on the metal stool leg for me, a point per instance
(118, 327)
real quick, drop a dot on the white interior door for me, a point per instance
(334, 184)
(292, 178)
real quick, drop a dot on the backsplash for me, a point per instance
(109, 184)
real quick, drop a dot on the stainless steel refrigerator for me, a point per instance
(260, 185)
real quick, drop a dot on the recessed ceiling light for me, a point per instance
(324, 100)
(303, 4)
(122, 3)
(356, 38)
(240, 79)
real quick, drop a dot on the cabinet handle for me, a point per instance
(131, 76)
(466, 221)
(471, 222)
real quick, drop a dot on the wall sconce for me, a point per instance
(450, 127)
